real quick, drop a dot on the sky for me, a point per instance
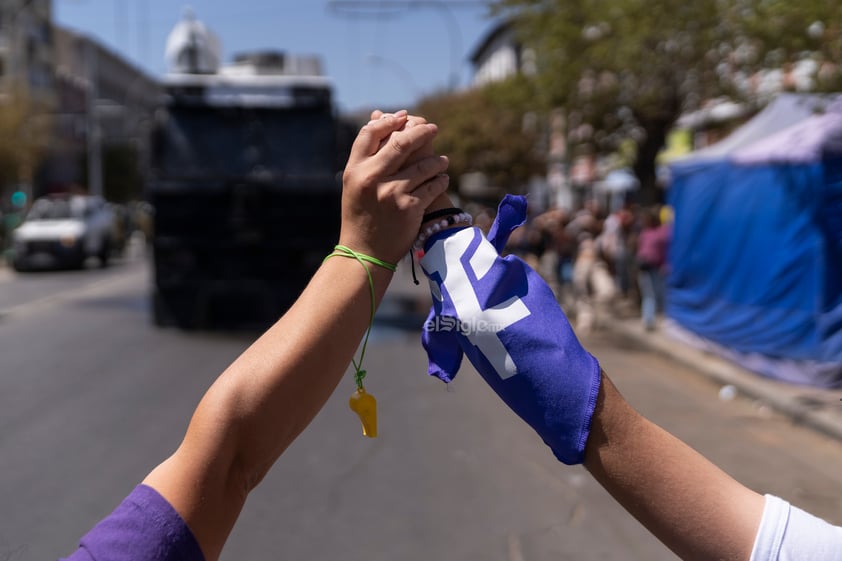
(377, 57)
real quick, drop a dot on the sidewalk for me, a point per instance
(816, 408)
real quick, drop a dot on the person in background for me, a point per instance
(593, 286)
(652, 246)
(187, 506)
(613, 244)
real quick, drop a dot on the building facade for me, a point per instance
(27, 49)
(501, 55)
(27, 94)
(70, 109)
(104, 115)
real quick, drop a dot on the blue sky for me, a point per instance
(374, 61)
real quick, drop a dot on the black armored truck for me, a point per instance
(245, 183)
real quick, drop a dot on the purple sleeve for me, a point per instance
(145, 527)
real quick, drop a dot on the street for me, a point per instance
(92, 397)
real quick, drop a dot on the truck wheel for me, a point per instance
(105, 253)
(161, 314)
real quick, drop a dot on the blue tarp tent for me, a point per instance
(756, 254)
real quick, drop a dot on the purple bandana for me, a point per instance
(503, 316)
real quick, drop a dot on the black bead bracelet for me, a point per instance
(440, 213)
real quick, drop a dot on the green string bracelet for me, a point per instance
(343, 251)
(362, 403)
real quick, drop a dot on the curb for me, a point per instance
(816, 408)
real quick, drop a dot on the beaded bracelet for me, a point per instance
(452, 220)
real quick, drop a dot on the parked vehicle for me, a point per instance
(63, 231)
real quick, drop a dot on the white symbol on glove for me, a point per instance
(445, 258)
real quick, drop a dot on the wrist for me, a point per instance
(443, 201)
(438, 215)
(358, 245)
(357, 267)
(611, 424)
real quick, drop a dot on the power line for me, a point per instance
(385, 9)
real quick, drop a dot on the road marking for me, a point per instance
(39, 304)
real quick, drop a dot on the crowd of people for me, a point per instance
(600, 263)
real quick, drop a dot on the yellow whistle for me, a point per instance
(365, 406)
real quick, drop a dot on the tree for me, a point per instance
(629, 68)
(24, 135)
(489, 129)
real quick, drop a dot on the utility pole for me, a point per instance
(93, 133)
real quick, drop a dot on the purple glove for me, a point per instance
(505, 318)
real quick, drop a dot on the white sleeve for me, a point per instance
(787, 533)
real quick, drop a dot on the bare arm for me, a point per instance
(692, 506)
(260, 404)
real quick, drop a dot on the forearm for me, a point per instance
(688, 503)
(263, 401)
(275, 388)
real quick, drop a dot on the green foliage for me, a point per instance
(777, 33)
(628, 68)
(9, 167)
(24, 135)
(493, 130)
(597, 57)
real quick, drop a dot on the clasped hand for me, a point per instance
(392, 176)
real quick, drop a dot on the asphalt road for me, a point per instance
(92, 397)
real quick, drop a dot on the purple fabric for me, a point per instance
(805, 142)
(503, 316)
(144, 527)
